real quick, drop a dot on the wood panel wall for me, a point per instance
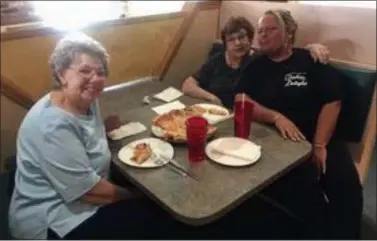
(194, 49)
(134, 51)
(11, 117)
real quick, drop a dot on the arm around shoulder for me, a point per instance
(319, 52)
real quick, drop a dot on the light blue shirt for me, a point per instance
(60, 156)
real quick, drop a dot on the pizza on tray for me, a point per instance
(173, 123)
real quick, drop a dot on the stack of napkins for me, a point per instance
(165, 108)
(129, 129)
(168, 94)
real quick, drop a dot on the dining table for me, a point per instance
(217, 188)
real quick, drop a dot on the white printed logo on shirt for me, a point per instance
(295, 79)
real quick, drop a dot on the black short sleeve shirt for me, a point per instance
(297, 87)
(218, 78)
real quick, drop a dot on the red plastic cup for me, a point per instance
(196, 130)
(242, 118)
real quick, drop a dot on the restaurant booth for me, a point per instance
(151, 53)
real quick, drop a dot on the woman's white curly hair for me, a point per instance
(67, 49)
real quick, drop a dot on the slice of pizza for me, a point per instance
(142, 152)
(195, 110)
(215, 111)
(164, 121)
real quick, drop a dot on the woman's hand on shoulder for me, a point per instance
(319, 53)
(288, 129)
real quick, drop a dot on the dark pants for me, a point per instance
(143, 219)
(343, 188)
(299, 191)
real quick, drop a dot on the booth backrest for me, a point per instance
(359, 86)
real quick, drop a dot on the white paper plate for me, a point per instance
(157, 146)
(236, 147)
(213, 119)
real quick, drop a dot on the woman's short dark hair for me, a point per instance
(234, 25)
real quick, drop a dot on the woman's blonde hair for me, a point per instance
(286, 21)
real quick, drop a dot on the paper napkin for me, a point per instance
(168, 94)
(162, 109)
(247, 152)
(128, 129)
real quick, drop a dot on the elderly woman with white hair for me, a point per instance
(62, 186)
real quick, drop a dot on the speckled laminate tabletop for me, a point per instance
(219, 188)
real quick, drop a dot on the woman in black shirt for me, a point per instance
(303, 100)
(215, 80)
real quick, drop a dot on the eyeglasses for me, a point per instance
(267, 30)
(240, 37)
(88, 72)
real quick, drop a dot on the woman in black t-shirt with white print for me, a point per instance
(303, 100)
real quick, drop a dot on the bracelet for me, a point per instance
(318, 145)
(276, 117)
